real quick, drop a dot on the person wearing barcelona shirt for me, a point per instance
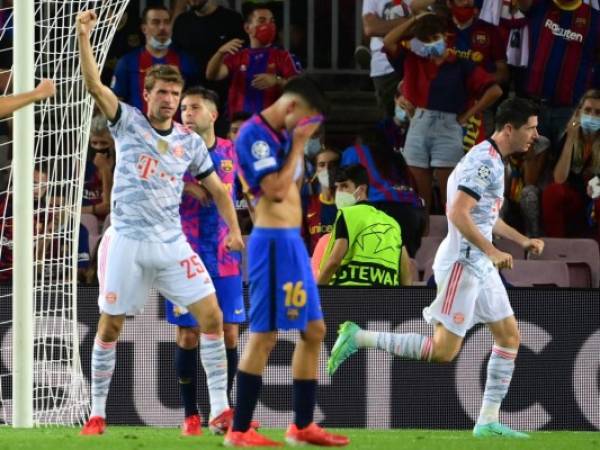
(128, 79)
(365, 248)
(320, 210)
(258, 73)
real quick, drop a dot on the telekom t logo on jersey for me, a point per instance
(146, 166)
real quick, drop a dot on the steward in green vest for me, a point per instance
(365, 248)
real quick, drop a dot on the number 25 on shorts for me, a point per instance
(193, 266)
(295, 295)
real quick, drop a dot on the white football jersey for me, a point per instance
(148, 179)
(480, 173)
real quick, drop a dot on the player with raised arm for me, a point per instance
(466, 265)
(206, 232)
(10, 103)
(283, 293)
(145, 245)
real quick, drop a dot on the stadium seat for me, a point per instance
(581, 255)
(511, 247)
(438, 226)
(529, 273)
(425, 254)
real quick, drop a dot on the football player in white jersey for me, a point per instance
(145, 245)
(466, 265)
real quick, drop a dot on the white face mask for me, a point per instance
(323, 177)
(157, 45)
(344, 199)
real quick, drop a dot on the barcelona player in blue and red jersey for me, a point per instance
(206, 231)
(128, 80)
(283, 293)
(258, 73)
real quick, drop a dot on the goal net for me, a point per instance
(60, 390)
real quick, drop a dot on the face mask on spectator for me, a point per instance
(157, 45)
(590, 124)
(265, 33)
(463, 14)
(436, 48)
(312, 147)
(400, 114)
(343, 199)
(323, 177)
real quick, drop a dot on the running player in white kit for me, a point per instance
(470, 290)
(145, 245)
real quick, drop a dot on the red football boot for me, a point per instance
(315, 435)
(94, 426)
(250, 438)
(192, 426)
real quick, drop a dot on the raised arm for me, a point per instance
(11, 103)
(105, 98)
(216, 69)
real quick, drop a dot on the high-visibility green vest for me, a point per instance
(374, 246)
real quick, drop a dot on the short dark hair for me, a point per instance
(308, 89)
(355, 173)
(428, 26)
(515, 111)
(149, 8)
(248, 9)
(204, 93)
(240, 116)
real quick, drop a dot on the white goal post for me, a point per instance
(41, 379)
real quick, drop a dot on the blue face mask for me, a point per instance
(157, 45)
(312, 147)
(436, 48)
(590, 124)
(400, 114)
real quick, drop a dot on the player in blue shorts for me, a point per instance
(283, 294)
(206, 231)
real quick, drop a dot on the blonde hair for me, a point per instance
(163, 72)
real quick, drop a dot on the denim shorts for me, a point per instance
(434, 139)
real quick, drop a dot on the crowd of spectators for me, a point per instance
(438, 68)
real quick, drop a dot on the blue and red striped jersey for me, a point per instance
(128, 80)
(563, 50)
(245, 65)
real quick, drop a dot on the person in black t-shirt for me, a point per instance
(200, 31)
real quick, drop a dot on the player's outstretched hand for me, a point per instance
(535, 246)
(45, 89)
(501, 260)
(234, 242)
(86, 21)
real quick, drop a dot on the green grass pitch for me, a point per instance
(133, 438)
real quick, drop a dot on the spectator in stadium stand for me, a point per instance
(243, 201)
(365, 247)
(572, 203)
(128, 79)
(258, 73)
(392, 188)
(522, 202)
(99, 167)
(43, 223)
(320, 209)
(564, 49)
(473, 39)
(440, 86)
(201, 31)
(378, 18)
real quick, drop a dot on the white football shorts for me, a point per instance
(127, 269)
(464, 300)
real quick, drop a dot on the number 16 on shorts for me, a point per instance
(295, 298)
